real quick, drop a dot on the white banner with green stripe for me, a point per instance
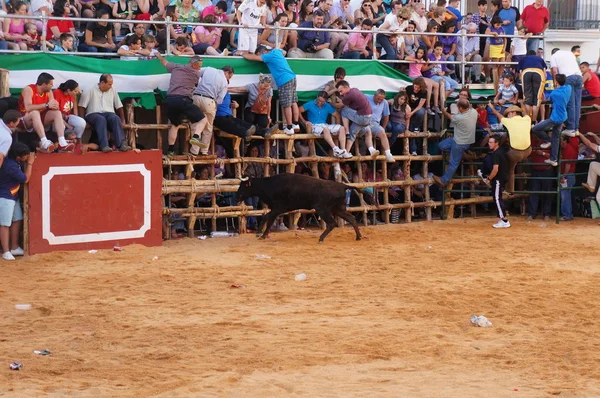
(141, 79)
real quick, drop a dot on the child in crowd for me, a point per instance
(518, 47)
(132, 49)
(150, 46)
(182, 47)
(11, 215)
(33, 40)
(507, 93)
(438, 71)
(419, 66)
(497, 46)
(66, 43)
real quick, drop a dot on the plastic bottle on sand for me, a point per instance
(223, 234)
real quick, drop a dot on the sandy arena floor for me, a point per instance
(387, 316)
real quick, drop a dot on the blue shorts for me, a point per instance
(10, 211)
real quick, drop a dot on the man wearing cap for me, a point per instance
(464, 123)
(210, 92)
(519, 134)
(180, 105)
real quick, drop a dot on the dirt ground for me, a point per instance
(387, 316)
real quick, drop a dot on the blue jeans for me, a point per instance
(540, 131)
(416, 120)
(533, 44)
(3, 45)
(540, 185)
(356, 55)
(449, 83)
(359, 122)
(84, 48)
(456, 154)
(396, 129)
(574, 105)
(390, 51)
(104, 122)
(566, 209)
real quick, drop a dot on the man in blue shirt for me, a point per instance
(226, 121)
(510, 16)
(312, 44)
(380, 118)
(285, 79)
(453, 8)
(559, 97)
(318, 112)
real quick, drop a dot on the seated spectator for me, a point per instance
(37, 7)
(380, 119)
(343, 9)
(289, 7)
(429, 41)
(420, 65)
(201, 5)
(365, 11)
(98, 104)
(393, 24)
(258, 107)
(98, 35)
(182, 47)
(54, 28)
(149, 9)
(507, 92)
(226, 120)
(176, 29)
(139, 30)
(149, 47)
(449, 45)
(206, 40)
(11, 215)
(312, 44)
(471, 51)
(132, 49)
(306, 11)
(274, 8)
(418, 16)
(187, 13)
(219, 10)
(438, 72)
(411, 41)
(33, 38)
(66, 96)
(14, 29)
(360, 45)
(400, 119)
(268, 36)
(317, 113)
(591, 83)
(416, 93)
(379, 13)
(41, 110)
(122, 10)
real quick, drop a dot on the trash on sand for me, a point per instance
(430, 247)
(238, 286)
(543, 225)
(93, 251)
(42, 352)
(300, 277)
(262, 256)
(202, 237)
(24, 307)
(16, 366)
(223, 234)
(480, 321)
(118, 248)
(154, 258)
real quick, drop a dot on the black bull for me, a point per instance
(288, 192)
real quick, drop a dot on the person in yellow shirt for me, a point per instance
(519, 135)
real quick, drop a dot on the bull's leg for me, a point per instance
(328, 218)
(346, 215)
(268, 221)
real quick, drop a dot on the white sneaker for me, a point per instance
(569, 133)
(295, 127)
(288, 131)
(546, 145)
(374, 152)
(551, 162)
(8, 256)
(17, 252)
(390, 158)
(502, 224)
(346, 154)
(337, 152)
(282, 227)
(413, 154)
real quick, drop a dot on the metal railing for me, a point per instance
(574, 14)
(463, 63)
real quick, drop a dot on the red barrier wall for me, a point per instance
(590, 122)
(95, 201)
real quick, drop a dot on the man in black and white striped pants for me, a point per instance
(497, 179)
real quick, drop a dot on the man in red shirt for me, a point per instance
(40, 110)
(536, 18)
(570, 150)
(591, 82)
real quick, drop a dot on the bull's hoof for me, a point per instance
(320, 240)
(358, 237)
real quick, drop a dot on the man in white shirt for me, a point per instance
(251, 14)
(8, 123)
(98, 104)
(419, 17)
(565, 63)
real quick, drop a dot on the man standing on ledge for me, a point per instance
(184, 79)
(464, 123)
(210, 92)
(285, 79)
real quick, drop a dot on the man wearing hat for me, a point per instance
(519, 134)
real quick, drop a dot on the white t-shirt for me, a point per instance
(251, 12)
(128, 57)
(565, 62)
(37, 4)
(420, 21)
(519, 45)
(5, 138)
(392, 19)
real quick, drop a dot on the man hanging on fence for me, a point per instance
(464, 123)
(210, 92)
(41, 110)
(180, 105)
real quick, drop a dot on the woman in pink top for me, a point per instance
(419, 64)
(14, 31)
(206, 40)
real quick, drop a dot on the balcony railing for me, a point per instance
(574, 14)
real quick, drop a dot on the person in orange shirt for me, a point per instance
(40, 110)
(66, 95)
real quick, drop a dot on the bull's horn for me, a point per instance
(244, 178)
